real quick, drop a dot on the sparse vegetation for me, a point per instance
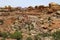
(33, 23)
(30, 26)
(16, 35)
(46, 34)
(37, 37)
(1, 22)
(56, 35)
(29, 38)
(3, 34)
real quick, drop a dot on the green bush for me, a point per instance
(45, 34)
(56, 35)
(17, 35)
(37, 37)
(3, 34)
(30, 27)
(1, 22)
(29, 38)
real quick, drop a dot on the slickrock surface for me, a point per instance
(31, 20)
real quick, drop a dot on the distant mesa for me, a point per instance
(53, 3)
(40, 8)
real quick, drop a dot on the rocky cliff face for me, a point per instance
(30, 21)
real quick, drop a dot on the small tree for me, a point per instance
(36, 7)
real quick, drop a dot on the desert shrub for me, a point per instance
(37, 37)
(29, 38)
(45, 34)
(17, 35)
(1, 22)
(56, 35)
(3, 34)
(30, 26)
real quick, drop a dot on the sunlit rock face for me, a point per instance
(54, 6)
